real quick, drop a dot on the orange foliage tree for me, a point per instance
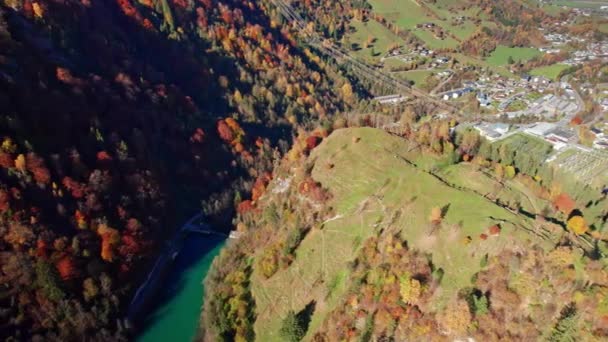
(76, 189)
(109, 239)
(35, 165)
(6, 160)
(224, 131)
(259, 187)
(67, 268)
(564, 203)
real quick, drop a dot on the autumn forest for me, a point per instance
(120, 119)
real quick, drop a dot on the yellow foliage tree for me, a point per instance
(410, 289)
(456, 318)
(577, 225)
(499, 170)
(238, 97)
(510, 171)
(90, 289)
(8, 146)
(20, 163)
(347, 91)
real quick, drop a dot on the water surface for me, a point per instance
(176, 317)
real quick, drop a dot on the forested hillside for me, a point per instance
(120, 119)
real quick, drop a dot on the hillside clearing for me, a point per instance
(381, 39)
(549, 71)
(386, 192)
(416, 76)
(500, 56)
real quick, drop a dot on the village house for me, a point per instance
(483, 99)
(492, 131)
(540, 129)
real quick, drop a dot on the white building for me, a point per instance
(390, 99)
(491, 131)
(540, 129)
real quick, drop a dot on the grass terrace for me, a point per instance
(417, 76)
(500, 56)
(549, 71)
(382, 37)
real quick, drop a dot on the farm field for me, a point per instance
(467, 27)
(405, 13)
(500, 56)
(550, 71)
(387, 193)
(462, 31)
(553, 10)
(390, 63)
(408, 14)
(381, 37)
(478, 62)
(580, 4)
(417, 76)
(434, 43)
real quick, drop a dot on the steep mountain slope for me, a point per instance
(118, 119)
(365, 238)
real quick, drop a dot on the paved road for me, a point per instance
(442, 83)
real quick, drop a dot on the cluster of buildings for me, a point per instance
(600, 51)
(543, 97)
(557, 135)
(433, 28)
(549, 50)
(418, 52)
(536, 95)
(454, 94)
(439, 61)
(444, 73)
(593, 51)
(560, 136)
(537, 83)
(549, 106)
(492, 131)
(499, 89)
(559, 39)
(423, 52)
